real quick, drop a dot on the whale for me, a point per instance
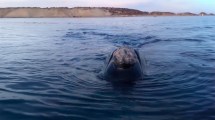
(124, 64)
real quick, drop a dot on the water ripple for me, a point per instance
(55, 71)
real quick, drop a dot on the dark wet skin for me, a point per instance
(124, 65)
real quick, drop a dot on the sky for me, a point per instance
(195, 6)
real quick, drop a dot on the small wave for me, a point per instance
(205, 56)
(209, 27)
(197, 28)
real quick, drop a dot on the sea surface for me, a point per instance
(51, 69)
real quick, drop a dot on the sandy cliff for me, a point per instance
(66, 12)
(83, 12)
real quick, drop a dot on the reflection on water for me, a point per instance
(52, 68)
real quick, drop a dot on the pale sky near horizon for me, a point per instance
(144, 5)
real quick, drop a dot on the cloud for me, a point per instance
(70, 3)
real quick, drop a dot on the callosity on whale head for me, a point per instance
(124, 65)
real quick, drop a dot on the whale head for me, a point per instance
(124, 65)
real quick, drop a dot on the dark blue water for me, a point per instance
(52, 69)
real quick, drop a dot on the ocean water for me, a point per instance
(51, 69)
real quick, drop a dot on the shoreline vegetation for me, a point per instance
(64, 12)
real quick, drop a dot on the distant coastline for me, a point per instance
(64, 12)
